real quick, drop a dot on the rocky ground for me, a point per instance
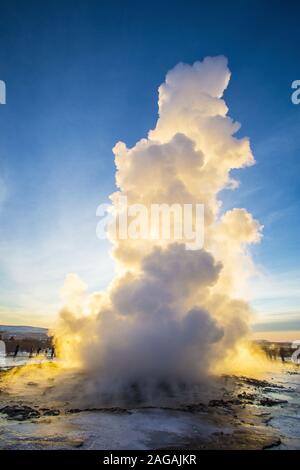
(240, 413)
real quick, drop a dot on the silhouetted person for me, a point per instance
(38, 351)
(273, 352)
(16, 350)
(52, 352)
(268, 353)
(281, 354)
(31, 352)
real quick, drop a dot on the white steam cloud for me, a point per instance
(170, 314)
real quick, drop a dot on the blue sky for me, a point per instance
(82, 75)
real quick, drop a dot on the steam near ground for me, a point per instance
(172, 315)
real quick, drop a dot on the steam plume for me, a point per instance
(170, 313)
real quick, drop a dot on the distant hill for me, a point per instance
(23, 330)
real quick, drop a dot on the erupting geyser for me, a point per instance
(171, 313)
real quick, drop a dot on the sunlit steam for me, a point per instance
(171, 315)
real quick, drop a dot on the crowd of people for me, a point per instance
(274, 352)
(48, 352)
